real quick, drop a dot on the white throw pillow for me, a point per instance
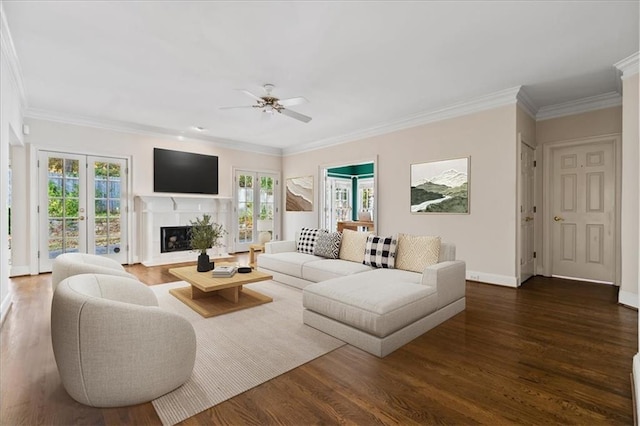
(353, 245)
(415, 252)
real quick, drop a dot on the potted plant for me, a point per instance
(205, 234)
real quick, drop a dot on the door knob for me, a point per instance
(528, 219)
(557, 218)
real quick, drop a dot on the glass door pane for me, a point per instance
(107, 219)
(63, 217)
(267, 207)
(244, 207)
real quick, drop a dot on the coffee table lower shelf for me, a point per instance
(217, 305)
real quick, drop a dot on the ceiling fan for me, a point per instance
(271, 105)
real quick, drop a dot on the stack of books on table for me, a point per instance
(224, 271)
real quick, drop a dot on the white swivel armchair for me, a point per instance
(69, 264)
(112, 343)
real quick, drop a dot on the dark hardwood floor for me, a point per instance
(552, 352)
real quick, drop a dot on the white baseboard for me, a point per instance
(19, 270)
(484, 277)
(628, 298)
(4, 308)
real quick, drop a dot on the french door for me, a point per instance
(256, 211)
(83, 206)
(337, 205)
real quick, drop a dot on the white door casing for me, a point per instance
(527, 212)
(327, 217)
(582, 210)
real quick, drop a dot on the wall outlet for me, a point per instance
(474, 277)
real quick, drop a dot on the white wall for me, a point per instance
(486, 237)
(630, 199)
(10, 125)
(72, 138)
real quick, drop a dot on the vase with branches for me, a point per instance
(205, 234)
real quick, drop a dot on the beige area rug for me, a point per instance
(242, 349)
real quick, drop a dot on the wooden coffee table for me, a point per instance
(210, 296)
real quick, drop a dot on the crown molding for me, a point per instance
(526, 104)
(10, 55)
(591, 103)
(629, 65)
(481, 103)
(127, 127)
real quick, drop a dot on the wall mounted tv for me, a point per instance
(184, 172)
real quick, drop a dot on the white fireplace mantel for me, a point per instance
(156, 211)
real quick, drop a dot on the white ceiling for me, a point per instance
(171, 65)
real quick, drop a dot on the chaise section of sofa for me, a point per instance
(375, 309)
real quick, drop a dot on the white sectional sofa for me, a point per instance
(377, 310)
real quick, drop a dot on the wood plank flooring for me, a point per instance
(552, 352)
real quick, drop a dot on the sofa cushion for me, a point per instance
(415, 253)
(288, 263)
(328, 245)
(380, 252)
(374, 302)
(352, 245)
(326, 269)
(307, 240)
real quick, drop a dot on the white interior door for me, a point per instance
(583, 211)
(256, 212)
(83, 205)
(527, 214)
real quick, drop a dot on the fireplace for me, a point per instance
(163, 236)
(174, 238)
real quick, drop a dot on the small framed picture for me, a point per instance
(299, 194)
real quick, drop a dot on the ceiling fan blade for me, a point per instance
(293, 101)
(295, 115)
(234, 107)
(248, 93)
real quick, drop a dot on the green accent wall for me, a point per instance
(357, 170)
(353, 172)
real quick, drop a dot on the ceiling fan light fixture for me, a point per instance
(270, 104)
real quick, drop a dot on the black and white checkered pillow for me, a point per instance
(328, 245)
(380, 252)
(307, 240)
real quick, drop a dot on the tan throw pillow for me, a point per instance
(415, 253)
(353, 245)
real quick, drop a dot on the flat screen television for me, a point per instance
(184, 172)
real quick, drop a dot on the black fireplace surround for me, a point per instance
(174, 238)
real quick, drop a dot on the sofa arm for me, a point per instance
(280, 246)
(449, 280)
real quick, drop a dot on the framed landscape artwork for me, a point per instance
(299, 194)
(440, 186)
